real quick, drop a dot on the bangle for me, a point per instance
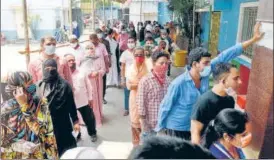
(24, 107)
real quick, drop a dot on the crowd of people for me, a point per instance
(45, 106)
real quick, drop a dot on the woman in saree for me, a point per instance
(137, 70)
(94, 66)
(26, 127)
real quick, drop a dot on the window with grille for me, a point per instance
(248, 16)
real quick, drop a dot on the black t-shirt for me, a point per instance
(209, 105)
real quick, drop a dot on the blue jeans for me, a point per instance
(126, 98)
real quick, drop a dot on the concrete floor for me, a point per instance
(114, 137)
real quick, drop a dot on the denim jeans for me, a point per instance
(126, 98)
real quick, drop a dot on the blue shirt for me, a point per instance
(176, 107)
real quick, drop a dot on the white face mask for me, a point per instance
(206, 71)
(50, 50)
(164, 36)
(131, 45)
(123, 32)
(231, 92)
(73, 45)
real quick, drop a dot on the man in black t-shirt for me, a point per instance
(222, 95)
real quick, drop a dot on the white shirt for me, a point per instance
(113, 45)
(127, 58)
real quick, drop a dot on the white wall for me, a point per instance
(7, 20)
(46, 9)
(148, 6)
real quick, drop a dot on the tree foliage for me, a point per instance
(183, 11)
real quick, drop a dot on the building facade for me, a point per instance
(230, 22)
(44, 16)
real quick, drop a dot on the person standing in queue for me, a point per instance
(151, 90)
(83, 96)
(57, 95)
(48, 47)
(221, 96)
(100, 35)
(126, 60)
(228, 134)
(94, 66)
(134, 74)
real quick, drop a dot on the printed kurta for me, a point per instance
(96, 65)
(35, 69)
(22, 126)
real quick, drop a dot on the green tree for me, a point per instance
(183, 11)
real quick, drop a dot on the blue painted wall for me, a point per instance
(205, 28)
(163, 13)
(229, 24)
(230, 10)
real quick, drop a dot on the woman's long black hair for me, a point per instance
(230, 121)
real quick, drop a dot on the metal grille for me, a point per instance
(249, 20)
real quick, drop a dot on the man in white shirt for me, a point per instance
(75, 48)
(126, 60)
(82, 90)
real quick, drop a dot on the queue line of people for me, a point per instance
(78, 81)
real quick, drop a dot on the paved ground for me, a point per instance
(114, 140)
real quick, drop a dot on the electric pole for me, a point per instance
(93, 15)
(141, 10)
(70, 17)
(25, 18)
(104, 14)
(111, 10)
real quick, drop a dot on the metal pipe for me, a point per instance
(25, 18)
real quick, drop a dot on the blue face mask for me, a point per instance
(206, 71)
(31, 89)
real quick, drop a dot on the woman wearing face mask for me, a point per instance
(227, 134)
(95, 67)
(57, 96)
(48, 47)
(26, 126)
(134, 75)
(126, 60)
